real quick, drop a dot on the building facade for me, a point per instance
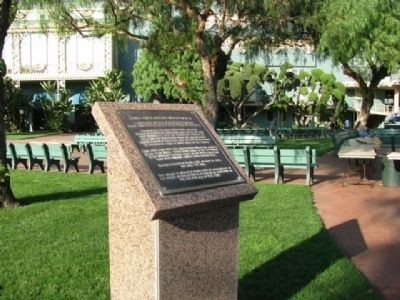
(34, 55)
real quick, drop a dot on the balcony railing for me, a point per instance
(379, 108)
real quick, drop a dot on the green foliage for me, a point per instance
(309, 96)
(182, 83)
(169, 29)
(17, 107)
(363, 32)
(4, 173)
(56, 106)
(3, 68)
(241, 83)
(362, 36)
(106, 88)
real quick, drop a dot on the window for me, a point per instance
(389, 97)
(33, 49)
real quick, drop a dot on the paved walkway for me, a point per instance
(364, 220)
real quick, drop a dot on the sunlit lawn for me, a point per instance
(322, 145)
(56, 245)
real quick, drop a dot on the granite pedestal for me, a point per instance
(179, 245)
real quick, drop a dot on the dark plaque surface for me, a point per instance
(179, 150)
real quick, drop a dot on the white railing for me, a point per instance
(379, 108)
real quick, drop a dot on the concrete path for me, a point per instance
(363, 219)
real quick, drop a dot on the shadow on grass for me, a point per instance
(292, 270)
(67, 195)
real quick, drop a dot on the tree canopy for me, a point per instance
(308, 95)
(362, 36)
(212, 29)
(151, 81)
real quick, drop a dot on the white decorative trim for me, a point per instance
(16, 55)
(61, 55)
(108, 53)
(38, 67)
(84, 66)
(43, 76)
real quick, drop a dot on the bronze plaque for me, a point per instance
(179, 150)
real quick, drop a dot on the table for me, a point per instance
(358, 149)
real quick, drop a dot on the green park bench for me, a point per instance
(242, 131)
(241, 157)
(97, 155)
(264, 158)
(36, 155)
(248, 140)
(290, 133)
(82, 140)
(297, 159)
(277, 159)
(16, 154)
(390, 137)
(59, 153)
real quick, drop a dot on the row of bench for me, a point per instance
(231, 140)
(83, 140)
(389, 137)
(279, 159)
(279, 133)
(339, 137)
(45, 155)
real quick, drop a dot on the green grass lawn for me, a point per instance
(322, 145)
(27, 135)
(55, 245)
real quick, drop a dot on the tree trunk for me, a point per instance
(7, 13)
(367, 101)
(210, 105)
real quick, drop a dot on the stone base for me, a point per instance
(197, 255)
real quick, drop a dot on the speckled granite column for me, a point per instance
(198, 255)
(178, 246)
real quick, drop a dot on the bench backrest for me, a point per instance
(11, 150)
(98, 151)
(248, 140)
(21, 150)
(84, 139)
(37, 149)
(298, 156)
(55, 151)
(262, 156)
(239, 154)
(386, 132)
